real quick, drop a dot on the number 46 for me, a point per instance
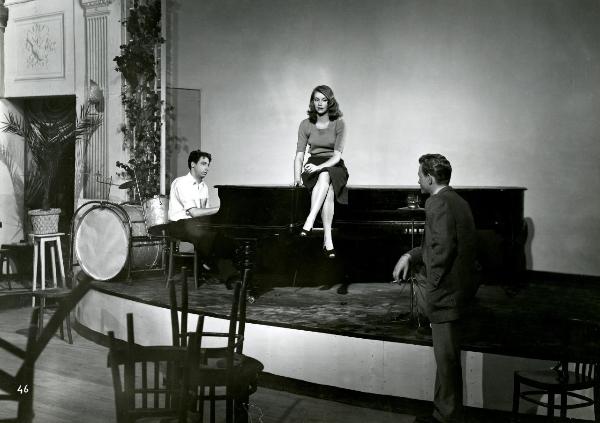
(23, 389)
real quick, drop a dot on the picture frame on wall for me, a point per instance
(41, 41)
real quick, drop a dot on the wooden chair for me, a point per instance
(221, 368)
(55, 295)
(19, 388)
(175, 253)
(577, 370)
(151, 382)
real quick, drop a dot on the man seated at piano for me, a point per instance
(324, 173)
(189, 198)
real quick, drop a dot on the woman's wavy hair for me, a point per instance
(333, 108)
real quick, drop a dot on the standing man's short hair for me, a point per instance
(197, 155)
(437, 166)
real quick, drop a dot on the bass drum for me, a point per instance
(102, 240)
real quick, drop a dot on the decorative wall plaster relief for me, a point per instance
(41, 40)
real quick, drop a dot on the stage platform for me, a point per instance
(358, 341)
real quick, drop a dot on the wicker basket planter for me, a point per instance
(44, 221)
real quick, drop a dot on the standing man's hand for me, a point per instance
(401, 267)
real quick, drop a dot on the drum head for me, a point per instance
(101, 243)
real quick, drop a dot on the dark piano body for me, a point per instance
(370, 233)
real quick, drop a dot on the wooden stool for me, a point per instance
(39, 248)
(4, 258)
(56, 294)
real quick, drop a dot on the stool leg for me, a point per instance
(43, 262)
(8, 271)
(35, 268)
(61, 267)
(53, 260)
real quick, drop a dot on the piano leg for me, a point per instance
(246, 253)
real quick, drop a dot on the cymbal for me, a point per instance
(126, 185)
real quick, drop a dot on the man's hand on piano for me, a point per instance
(298, 182)
(199, 212)
(401, 268)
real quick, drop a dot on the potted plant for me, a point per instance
(47, 140)
(142, 105)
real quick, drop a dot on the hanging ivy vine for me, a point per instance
(137, 63)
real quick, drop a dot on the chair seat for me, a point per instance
(550, 380)
(52, 293)
(246, 370)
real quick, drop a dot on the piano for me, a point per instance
(370, 233)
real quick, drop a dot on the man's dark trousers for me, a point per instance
(448, 395)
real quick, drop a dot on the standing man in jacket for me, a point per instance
(448, 253)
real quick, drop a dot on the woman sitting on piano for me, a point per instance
(324, 173)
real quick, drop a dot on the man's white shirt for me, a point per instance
(186, 193)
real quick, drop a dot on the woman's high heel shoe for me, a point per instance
(330, 254)
(304, 233)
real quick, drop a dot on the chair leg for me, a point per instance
(563, 405)
(170, 271)
(550, 404)
(597, 400)
(241, 406)
(211, 395)
(196, 280)
(201, 403)
(229, 404)
(41, 314)
(68, 322)
(62, 331)
(516, 397)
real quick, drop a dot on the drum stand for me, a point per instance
(148, 239)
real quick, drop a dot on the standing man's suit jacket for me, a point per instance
(448, 252)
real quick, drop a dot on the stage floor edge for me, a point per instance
(375, 366)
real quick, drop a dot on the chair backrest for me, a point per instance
(19, 387)
(581, 347)
(237, 317)
(150, 381)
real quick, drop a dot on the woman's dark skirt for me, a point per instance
(338, 175)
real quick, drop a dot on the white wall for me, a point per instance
(12, 153)
(508, 90)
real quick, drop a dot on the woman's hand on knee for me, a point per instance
(311, 168)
